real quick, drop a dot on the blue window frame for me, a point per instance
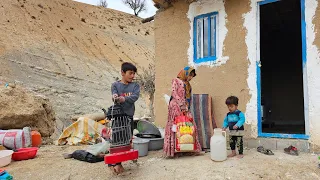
(205, 37)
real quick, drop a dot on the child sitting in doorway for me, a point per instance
(235, 120)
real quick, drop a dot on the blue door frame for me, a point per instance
(304, 60)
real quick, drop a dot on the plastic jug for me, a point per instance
(36, 138)
(218, 145)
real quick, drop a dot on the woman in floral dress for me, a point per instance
(179, 102)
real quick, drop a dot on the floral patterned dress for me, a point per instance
(174, 110)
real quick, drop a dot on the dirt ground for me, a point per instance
(49, 164)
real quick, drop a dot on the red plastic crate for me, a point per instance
(120, 149)
(121, 157)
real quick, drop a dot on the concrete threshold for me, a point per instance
(277, 144)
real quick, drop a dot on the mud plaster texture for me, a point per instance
(172, 41)
(316, 22)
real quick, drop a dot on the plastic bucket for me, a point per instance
(156, 144)
(5, 157)
(141, 145)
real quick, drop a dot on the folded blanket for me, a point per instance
(83, 131)
(202, 112)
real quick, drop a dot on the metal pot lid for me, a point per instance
(147, 128)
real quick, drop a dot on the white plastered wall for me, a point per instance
(251, 24)
(209, 6)
(204, 7)
(312, 69)
(313, 73)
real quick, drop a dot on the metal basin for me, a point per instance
(155, 144)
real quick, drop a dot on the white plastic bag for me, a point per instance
(16, 138)
(96, 149)
(174, 128)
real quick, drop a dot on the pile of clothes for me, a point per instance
(87, 130)
(94, 153)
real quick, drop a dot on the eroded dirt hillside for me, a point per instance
(70, 52)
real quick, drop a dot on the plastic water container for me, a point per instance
(141, 145)
(36, 139)
(218, 145)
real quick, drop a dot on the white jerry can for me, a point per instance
(218, 145)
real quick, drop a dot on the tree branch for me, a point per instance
(147, 19)
(136, 5)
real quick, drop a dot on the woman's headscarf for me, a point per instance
(183, 75)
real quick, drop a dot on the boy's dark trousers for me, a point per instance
(236, 141)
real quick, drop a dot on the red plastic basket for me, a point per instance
(120, 149)
(121, 157)
(24, 154)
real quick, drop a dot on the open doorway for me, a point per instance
(282, 97)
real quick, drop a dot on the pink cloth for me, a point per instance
(178, 100)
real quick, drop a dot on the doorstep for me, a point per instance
(277, 144)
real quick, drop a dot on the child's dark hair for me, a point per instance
(232, 100)
(126, 66)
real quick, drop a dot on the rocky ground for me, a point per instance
(49, 164)
(20, 108)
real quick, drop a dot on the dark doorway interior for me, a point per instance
(282, 99)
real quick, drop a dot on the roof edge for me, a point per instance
(164, 4)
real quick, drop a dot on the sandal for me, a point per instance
(268, 152)
(291, 150)
(260, 149)
(264, 151)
